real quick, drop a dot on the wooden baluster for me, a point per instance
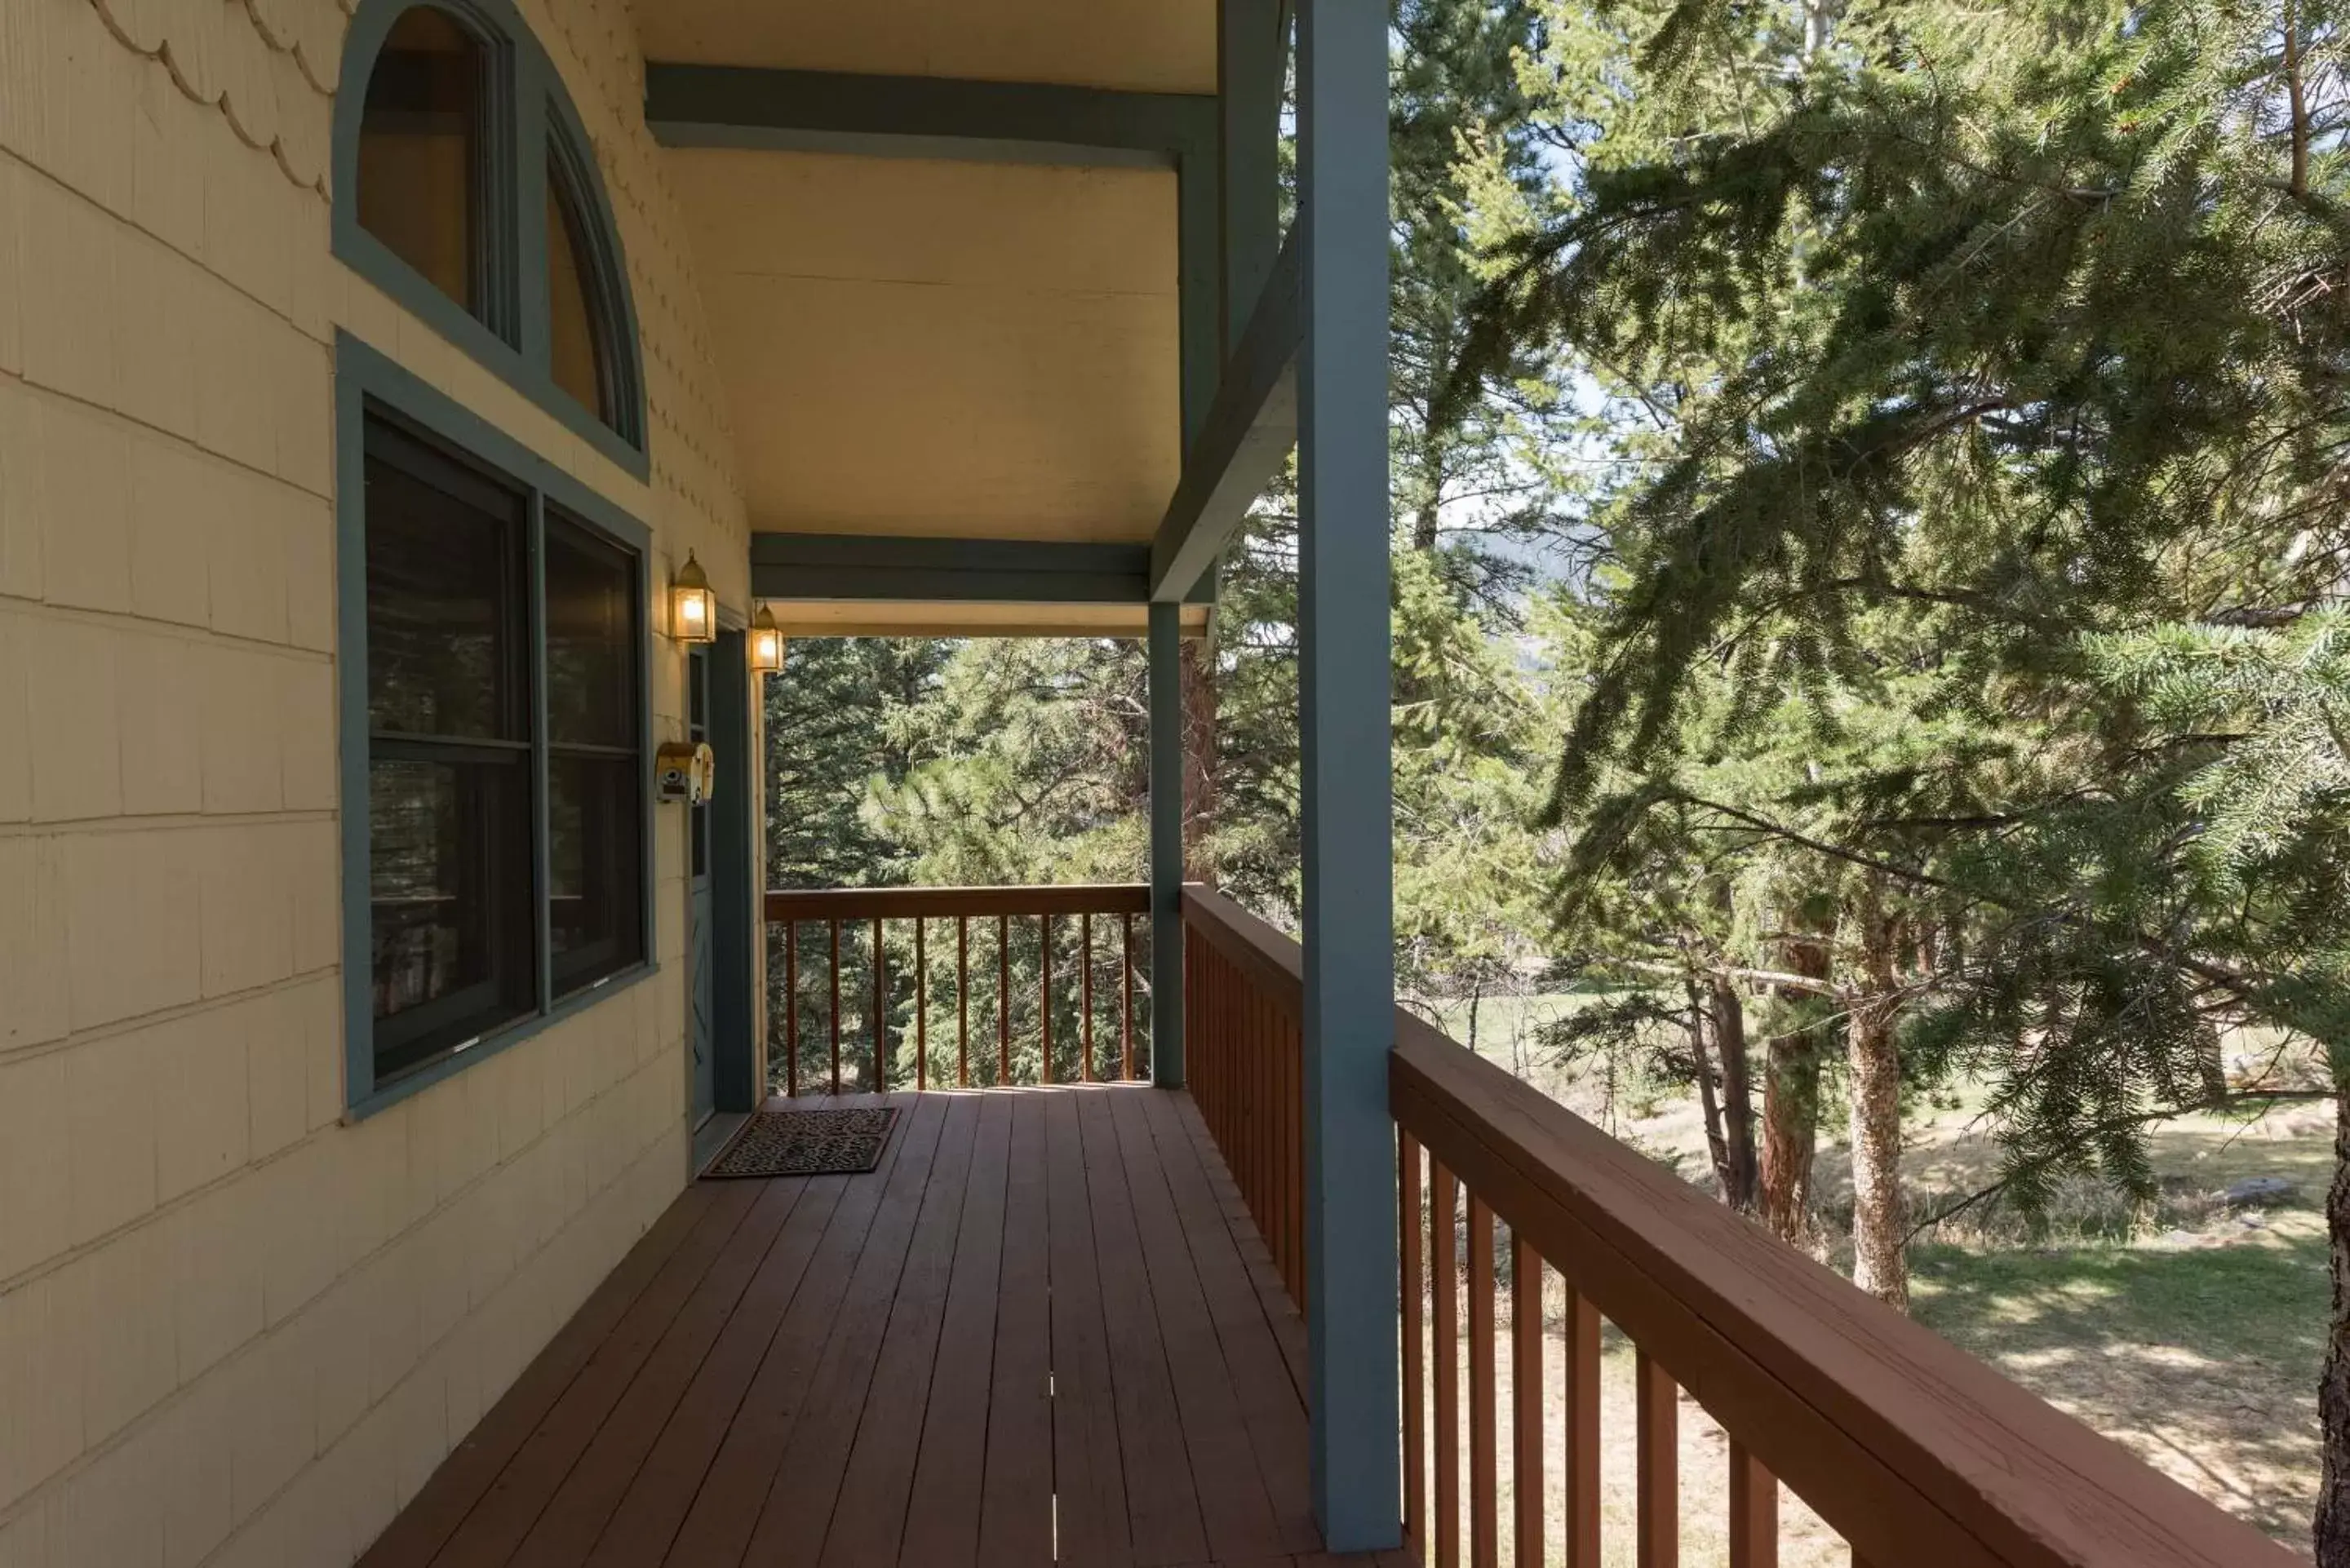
(921, 1010)
(1125, 1008)
(1526, 1473)
(1211, 1034)
(1445, 1269)
(1267, 1135)
(1268, 1054)
(1484, 1481)
(1086, 990)
(791, 1011)
(1044, 994)
(880, 1011)
(963, 1002)
(1292, 1128)
(1002, 999)
(1659, 1478)
(1580, 1439)
(1412, 1211)
(1753, 1512)
(836, 1005)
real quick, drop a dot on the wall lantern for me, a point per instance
(692, 608)
(767, 643)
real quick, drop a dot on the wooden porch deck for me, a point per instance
(1045, 1330)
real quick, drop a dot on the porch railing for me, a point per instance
(1244, 1013)
(1040, 962)
(1908, 1449)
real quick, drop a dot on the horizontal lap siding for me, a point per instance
(233, 1329)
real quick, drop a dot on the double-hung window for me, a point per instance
(505, 771)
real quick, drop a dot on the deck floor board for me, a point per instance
(1042, 1331)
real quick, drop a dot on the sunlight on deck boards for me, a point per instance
(1046, 1315)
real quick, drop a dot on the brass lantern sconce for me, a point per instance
(766, 644)
(692, 608)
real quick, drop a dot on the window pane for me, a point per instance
(591, 639)
(445, 599)
(420, 149)
(596, 866)
(578, 345)
(450, 885)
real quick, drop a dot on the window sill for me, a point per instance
(386, 1095)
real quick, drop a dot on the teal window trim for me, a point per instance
(365, 378)
(528, 119)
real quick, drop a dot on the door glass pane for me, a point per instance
(444, 601)
(420, 164)
(580, 352)
(591, 639)
(449, 881)
(596, 864)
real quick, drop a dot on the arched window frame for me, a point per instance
(527, 121)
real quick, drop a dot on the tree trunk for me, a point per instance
(1791, 1102)
(1728, 1020)
(1878, 1216)
(1717, 1140)
(1791, 1113)
(2331, 1534)
(1200, 802)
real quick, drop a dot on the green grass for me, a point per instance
(2201, 1358)
(2188, 1334)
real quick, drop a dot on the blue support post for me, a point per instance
(1343, 686)
(1166, 653)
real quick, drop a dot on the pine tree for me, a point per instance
(2026, 323)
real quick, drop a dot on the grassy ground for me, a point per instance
(2188, 1332)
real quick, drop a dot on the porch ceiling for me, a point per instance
(1152, 46)
(958, 349)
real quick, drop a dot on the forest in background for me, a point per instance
(1869, 532)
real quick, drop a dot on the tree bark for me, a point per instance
(1728, 1020)
(2330, 1533)
(1717, 1138)
(1791, 1098)
(1880, 1265)
(1200, 802)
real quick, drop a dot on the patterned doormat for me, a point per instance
(841, 1142)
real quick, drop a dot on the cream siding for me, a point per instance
(1140, 45)
(233, 1329)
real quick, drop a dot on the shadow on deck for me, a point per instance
(1043, 1330)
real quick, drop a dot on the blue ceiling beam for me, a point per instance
(1249, 430)
(925, 116)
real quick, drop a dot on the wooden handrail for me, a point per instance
(910, 903)
(1271, 961)
(1911, 1449)
(877, 909)
(1243, 991)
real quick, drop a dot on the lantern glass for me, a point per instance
(693, 609)
(766, 645)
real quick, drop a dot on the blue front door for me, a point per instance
(701, 991)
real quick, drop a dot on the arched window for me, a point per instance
(466, 190)
(580, 312)
(421, 151)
